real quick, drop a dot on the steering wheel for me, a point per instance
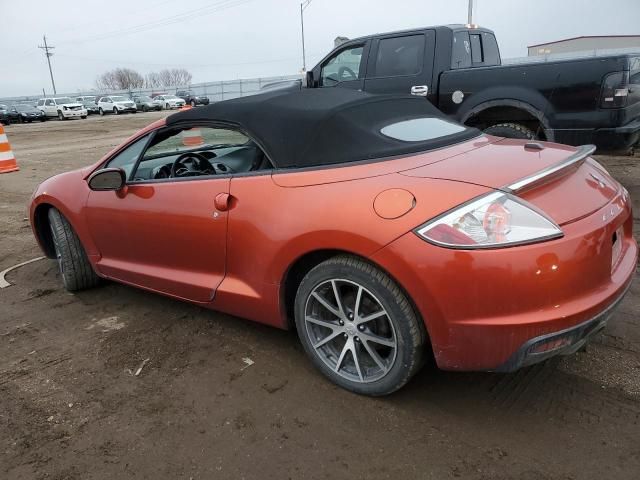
(190, 164)
(351, 74)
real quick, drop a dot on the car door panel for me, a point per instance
(163, 236)
(390, 68)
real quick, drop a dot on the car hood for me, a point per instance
(70, 105)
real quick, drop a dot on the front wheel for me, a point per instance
(193, 103)
(75, 269)
(83, 117)
(115, 111)
(101, 112)
(145, 108)
(61, 116)
(358, 327)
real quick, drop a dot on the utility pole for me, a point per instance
(470, 16)
(48, 54)
(303, 7)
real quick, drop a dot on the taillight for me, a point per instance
(615, 90)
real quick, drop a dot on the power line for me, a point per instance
(189, 15)
(48, 54)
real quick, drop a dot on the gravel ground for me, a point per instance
(71, 406)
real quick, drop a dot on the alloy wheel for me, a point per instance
(350, 330)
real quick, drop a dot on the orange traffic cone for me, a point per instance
(7, 159)
(192, 137)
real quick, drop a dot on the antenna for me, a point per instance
(48, 54)
(470, 15)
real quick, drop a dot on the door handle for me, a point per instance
(222, 202)
(420, 90)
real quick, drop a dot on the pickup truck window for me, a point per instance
(400, 56)
(634, 74)
(344, 66)
(490, 51)
(476, 48)
(461, 53)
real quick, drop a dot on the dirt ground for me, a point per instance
(71, 406)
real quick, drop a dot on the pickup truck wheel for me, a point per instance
(511, 130)
(75, 269)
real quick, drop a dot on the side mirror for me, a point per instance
(107, 179)
(310, 79)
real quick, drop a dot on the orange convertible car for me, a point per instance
(383, 232)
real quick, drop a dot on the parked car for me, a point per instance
(116, 104)
(376, 226)
(146, 103)
(23, 113)
(459, 70)
(192, 99)
(170, 101)
(4, 115)
(61, 107)
(84, 98)
(90, 104)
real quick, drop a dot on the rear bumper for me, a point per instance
(488, 310)
(618, 138)
(564, 342)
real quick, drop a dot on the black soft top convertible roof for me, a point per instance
(315, 127)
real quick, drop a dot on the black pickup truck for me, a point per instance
(458, 68)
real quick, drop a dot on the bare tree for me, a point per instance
(120, 79)
(172, 77)
(152, 80)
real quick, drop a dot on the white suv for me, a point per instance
(61, 107)
(116, 104)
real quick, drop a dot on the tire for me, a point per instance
(115, 111)
(335, 345)
(75, 269)
(193, 103)
(43, 119)
(83, 117)
(145, 108)
(20, 120)
(61, 116)
(167, 107)
(511, 130)
(101, 112)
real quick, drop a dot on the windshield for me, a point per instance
(63, 100)
(144, 99)
(26, 108)
(171, 97)
(119, 99)
(88, 102)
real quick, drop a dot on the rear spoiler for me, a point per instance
(545, 175)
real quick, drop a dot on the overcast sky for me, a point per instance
(229, 39)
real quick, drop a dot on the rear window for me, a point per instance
(476, 49)
(634, 73)
(400, 56)
(461, 52)
(421, 129)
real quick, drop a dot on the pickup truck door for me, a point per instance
(345, 67)
(402, 63)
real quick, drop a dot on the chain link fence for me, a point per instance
(216, 91)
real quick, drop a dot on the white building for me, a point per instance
(587, 43)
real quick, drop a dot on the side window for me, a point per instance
(127, 158)
(342, 67)
(490, 49)
(461, 52)
(199, 151)
(40, 103)
(400, 56)
(634, 71)
(49, 102)
(476, 49)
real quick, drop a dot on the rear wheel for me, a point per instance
(358, 327)
(75, 269)
(511, 130)
(193, 103)
(101, 112)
